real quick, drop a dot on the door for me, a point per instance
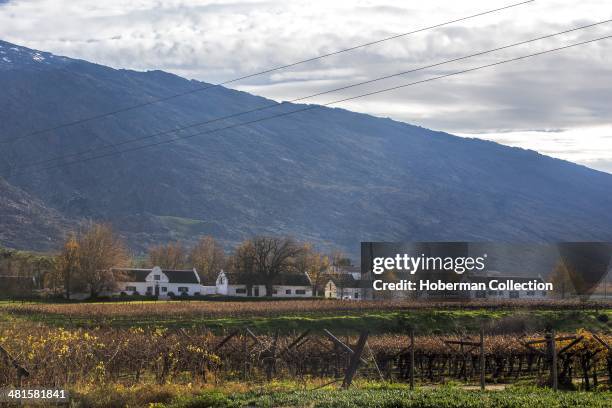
(156, 290)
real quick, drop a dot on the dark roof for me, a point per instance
(181, 276)
(346, 280)
(293, 279)
(131, 275)
(140, 275)
(208, 280)
(343, 280)
(290, 279)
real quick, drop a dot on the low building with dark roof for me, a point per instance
(285, 285)
(160, 282)
(346, 286)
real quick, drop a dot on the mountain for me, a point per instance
(26, 222)
(325, 175)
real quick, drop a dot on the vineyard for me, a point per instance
(345, 317)
(185, 353)
(160, 310)
(100, 356)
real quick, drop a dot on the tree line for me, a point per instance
(87, 258)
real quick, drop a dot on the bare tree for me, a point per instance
(304, 259)
(318, 268)
(99, 250)
(273, 257)
(314, 264)
(67, 264)
(242, 264)
(208, 257)
(169, 256)
(339, 261)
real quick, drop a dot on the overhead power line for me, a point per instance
(275, 105)
(312, 107)
(267, 71)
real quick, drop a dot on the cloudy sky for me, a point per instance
(559, 104)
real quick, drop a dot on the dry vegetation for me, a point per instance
(212, 309)
(56, 356)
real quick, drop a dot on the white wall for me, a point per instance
(260, 291)
(157, 278)
(334, 292)
(141, 288)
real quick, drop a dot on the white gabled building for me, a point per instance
(160, 282)
(288, 285)
(346, 286)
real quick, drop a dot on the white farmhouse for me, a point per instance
(160, 282)
(346, 286)
(288, 285)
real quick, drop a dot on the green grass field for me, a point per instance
(368, 395)
(376, 321)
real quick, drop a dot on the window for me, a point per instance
(240, 291)
(481, 294)
(288, 292)
(300, 292)
(149, 288)
(531, 293)
(492, 293)
(183, 289)
(356, 295)
(164, 289)
(156, 277)
(130, 288)
(514, 294)
(274, 292)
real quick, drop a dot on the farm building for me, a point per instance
(346, 286)
(160, 282)
(289, 285)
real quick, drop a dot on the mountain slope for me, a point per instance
(25, 222)
(326, 175)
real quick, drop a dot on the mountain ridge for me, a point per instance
(327, 175)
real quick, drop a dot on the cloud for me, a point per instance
(218, 40)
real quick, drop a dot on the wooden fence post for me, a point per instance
(354, 361)
(554, 363)
(244, 355)
(21, 371)
(482, 359)
(552, 358)
(412, 359)
(271, 358)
